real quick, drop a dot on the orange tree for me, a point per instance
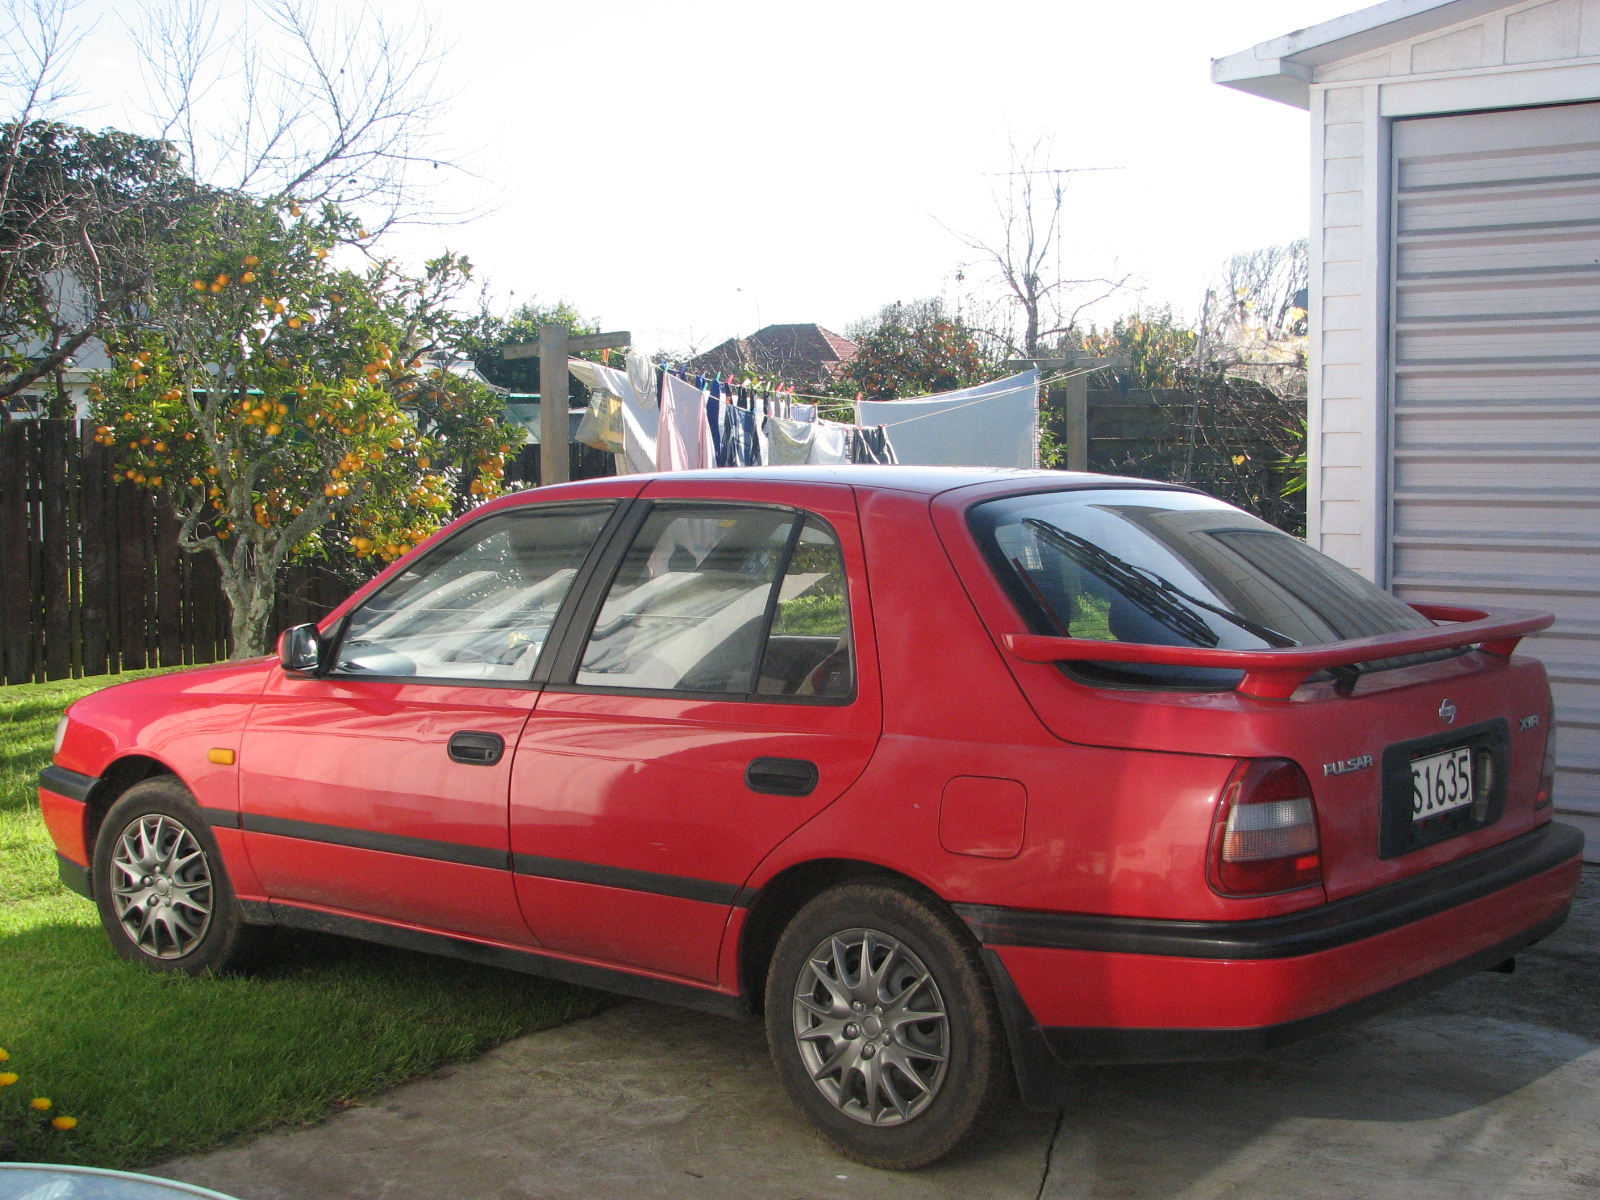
(286, 408)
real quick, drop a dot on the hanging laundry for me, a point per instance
(602, 424)
(993, 425)
(684, 439)
(830, 443)
(738, 446)
(640, 416)
(789, 442)
(802, 412)
(871, 446)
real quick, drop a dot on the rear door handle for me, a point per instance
(782, 776)
(477, 749)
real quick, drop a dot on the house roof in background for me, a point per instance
(1281, 69)
(805, 354)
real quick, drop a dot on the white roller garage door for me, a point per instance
(1494, 472)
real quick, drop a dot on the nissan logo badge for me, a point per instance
(1447, 713)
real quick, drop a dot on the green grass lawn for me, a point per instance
(153, 1066)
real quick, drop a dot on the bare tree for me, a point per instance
(301, 102)
(1038, 303)
(1260, 295)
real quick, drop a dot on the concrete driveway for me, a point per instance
(1490, 1089)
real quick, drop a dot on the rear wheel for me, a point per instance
(883, 1026)
(161, 886)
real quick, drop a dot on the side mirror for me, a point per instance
(300, 649)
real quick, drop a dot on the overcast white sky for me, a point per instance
(728, 165)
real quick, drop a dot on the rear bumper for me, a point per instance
(1084, 988)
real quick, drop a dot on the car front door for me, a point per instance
(720, 690)
(380, 788)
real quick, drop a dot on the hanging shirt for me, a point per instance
(789, 442)
(830, 444)
(640, 415)
(684, 442)
(713, 424)
(739, 446)
(802, 412)
(871, 446)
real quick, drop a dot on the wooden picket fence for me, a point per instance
(91, 577)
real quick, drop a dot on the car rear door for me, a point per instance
(720, 689)
(380, 788)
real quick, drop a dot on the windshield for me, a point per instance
(1173, 569)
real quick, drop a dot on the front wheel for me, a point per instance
(161, 886)
(884, 1027)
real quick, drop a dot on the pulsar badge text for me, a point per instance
(1345, 765)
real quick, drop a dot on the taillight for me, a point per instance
(1547, 774)
(1265, 836)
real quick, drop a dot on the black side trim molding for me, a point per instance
(71, 784)
(390, 843)
(686, 888)
(529, 962)
(76, 878)
(1306, 932)
(681, 886)
(225, 818)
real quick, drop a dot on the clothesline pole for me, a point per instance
(555, 460)
(555, 343)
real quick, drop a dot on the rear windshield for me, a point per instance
(1173, 569)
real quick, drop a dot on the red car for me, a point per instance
(957, 777)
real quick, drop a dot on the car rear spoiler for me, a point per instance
(1275, 674)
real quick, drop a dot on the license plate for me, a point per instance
(1441, 782)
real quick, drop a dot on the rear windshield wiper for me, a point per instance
(1120, 575)
(1140, 584)
(1266, 633)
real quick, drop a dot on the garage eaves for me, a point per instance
(1282, 69)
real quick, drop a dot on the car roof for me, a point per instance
(929, 481)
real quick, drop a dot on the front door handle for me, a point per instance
(477, 749)
(782, 776)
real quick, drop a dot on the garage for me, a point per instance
(1455, 317)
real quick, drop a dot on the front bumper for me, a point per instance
(1077, 988)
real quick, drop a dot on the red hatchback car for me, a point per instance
(958, 777)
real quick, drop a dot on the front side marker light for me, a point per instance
(61, 737)
(1265, 835)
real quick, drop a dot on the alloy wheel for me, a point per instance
(161, 886)
(871, 1027)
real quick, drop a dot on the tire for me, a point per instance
(161, 885)
(881, 1089)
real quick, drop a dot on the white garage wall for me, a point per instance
(1535, 53)
(1541, 53)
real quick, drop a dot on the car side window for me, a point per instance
(698, 593)
(478, 607)
(808, 652)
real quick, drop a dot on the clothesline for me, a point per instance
(836, 402)
(681, 422)
(980, 400)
